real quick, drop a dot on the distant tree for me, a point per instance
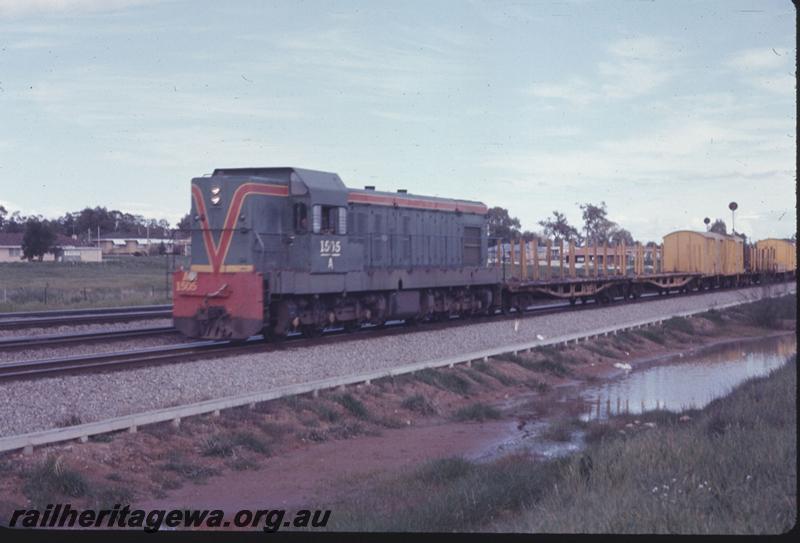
(559, 228)
(16, 223)
(618, 235)
(3, 213)
(527, 235)
(185, 224)
(718, 227)
(596, 223)
(501, 224)
(39, 238)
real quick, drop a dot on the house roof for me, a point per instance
(15, 240)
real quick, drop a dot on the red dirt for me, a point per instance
(301, 471)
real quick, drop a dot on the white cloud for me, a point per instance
(17, 8)
(766, 58)
(783, 84)
(34, 43)
(576, 90)
(634, 67)
(662, 178)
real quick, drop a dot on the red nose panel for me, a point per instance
(218, 305)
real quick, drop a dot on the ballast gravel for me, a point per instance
(83, 328)
(83, 349)
(27, 406)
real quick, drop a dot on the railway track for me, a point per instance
(72, 317)
(27, 342)
(199, 349)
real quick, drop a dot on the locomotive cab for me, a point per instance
(249, 225)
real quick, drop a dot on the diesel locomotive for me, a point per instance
(288, 249)
(280, 250)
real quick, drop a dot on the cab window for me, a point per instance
(329, 220)
(300, 218)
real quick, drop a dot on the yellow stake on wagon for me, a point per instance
(572, 259)
(523, 259)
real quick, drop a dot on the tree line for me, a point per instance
(40, 235)
(85, 224)
(596, 228)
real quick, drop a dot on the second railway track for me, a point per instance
(75, 317)
(18, 343)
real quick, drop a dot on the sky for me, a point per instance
(665, 110)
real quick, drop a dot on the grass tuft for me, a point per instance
(477, 412)
(419, 404)
(354, 405)
(52, 480)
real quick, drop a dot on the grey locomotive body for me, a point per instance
(323, 254)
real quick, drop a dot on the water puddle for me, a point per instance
(683, 382)
(690, 382)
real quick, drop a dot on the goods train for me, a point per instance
(280, 250)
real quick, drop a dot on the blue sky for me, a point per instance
(666, 110)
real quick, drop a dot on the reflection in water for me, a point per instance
(692, 383)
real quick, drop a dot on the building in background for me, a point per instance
(68, 250)
(143, 246)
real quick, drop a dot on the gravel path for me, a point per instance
(44, 403)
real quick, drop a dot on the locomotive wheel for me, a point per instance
(572, 301)
(310, 331)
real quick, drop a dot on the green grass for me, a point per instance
(324, 412)
(656, 336)
(51, 480)
(714, 316)
(177, 463)
(600, 350)
(419, 404)
(128, 281)
(731, 469)
(444, 380)
(680, 324)
(768, 312)
(354, 406)
(477, 412)
(551, 366)
(488, 369)
(559, 430)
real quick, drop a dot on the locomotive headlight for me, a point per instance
(216, 195)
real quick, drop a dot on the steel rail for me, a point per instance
(90, 318)
(28, 342)
(84, 311)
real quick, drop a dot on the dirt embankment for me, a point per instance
(304, 451)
